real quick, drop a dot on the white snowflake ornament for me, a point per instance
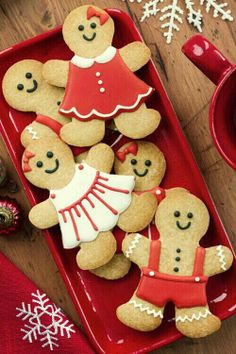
(172, 14)
(44, 321)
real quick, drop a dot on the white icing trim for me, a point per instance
(105, 57)
(220, 253)
(106, 115)
(32, 132)
(133, 245)
(146, 309)
(194, 316)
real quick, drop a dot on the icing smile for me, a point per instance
(183, 227)
(34, 88)
(140, 174)
(55, 168)
(89, 39)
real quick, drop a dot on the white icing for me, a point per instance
(107, 115)
(105, 57)
(220, 253)
(100, 214)
(220, 298)
(133, 245)
(195, 316)
(147, 309)
(32, 132)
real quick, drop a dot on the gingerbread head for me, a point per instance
(144, 161)
(48, 163)
(88, 31)
(25, 90)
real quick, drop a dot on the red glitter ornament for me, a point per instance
(10, 216)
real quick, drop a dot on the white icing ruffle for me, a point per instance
(147, 309)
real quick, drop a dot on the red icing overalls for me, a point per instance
(184, 291)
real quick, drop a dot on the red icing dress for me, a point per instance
(102, 87)
(184, 291)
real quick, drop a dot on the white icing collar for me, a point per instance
(105, 57)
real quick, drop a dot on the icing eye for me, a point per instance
(148, 163)
(81, 28)
(93, 25)
(176, 213)
(190, 215)
(58, 103)
(20, 87)
(28, 75)
(39, 164)
(49, 154)
(133, 162)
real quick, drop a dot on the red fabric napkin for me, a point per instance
(32, 323)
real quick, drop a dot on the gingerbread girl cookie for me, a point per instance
(175, 268)
(85, 201)
(145, 161)
(99, 79)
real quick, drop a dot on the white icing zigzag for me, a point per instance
(133, 245)
(32, 132)
(221, 256)
(195, 316)
(146, 309)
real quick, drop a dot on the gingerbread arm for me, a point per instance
(135, 55)
(55, 72)
(101, 157)
(218, 259)
(43, 215)
(136, 248)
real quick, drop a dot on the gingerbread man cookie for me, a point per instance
(85, 201)
(99, 79)
(147, 164)
(175, 268)
(25, 90)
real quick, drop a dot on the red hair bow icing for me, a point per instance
(93, 12)
(26, 157)
(131, 149)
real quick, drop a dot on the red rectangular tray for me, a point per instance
(95, 299)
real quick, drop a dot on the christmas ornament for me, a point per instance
(171, 14)
(10, 216)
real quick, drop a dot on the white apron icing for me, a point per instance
(90, 203)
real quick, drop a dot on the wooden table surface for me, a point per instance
(190, 93)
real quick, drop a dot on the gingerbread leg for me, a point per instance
(196, 322)
(136, 217)
(138, 124)
(79, 133)
(139, 314)
(117, 268)
(96, 253)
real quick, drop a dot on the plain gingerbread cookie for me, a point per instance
(99, 80)
(175, 268)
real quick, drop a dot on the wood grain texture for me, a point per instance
(190, 93)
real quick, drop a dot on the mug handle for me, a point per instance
(207, 58)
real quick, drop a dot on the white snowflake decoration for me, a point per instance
(171, 14)
(44, 321)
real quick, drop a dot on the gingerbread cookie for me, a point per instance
(99, 79)
(175, 268)
(25, 90)
(147, 164)
(85, 201)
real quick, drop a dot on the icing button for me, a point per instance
(176, 269)
(152, 273)
(53, 196)
(81, 167)
(98, 74)
(178, 250)
(158, 192)
(177, 259)
(197, 279)
(102, 89)
(100, 82)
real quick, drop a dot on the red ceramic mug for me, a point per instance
(222, 114)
